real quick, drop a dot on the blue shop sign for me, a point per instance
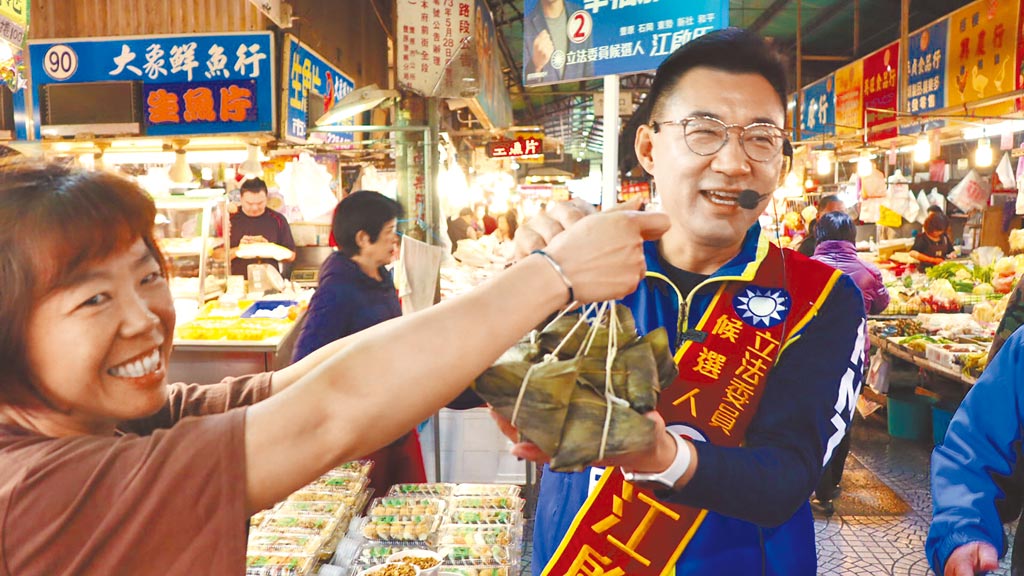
(926, 82)
(306, 72)
(592, 38)
(191, 84)
(818, 108)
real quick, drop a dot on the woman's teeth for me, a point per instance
(137, 368)
(722, 198)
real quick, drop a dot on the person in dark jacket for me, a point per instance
(356, 292)
(830, 203)
(834, 239)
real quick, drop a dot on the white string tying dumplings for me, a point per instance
(608, 307)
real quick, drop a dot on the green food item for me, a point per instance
(545, 402)
(945, 270)
(983, 273)
(628, 431)
(563, 408)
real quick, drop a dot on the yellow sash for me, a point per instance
(624, 530)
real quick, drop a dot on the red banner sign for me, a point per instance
(514, 148)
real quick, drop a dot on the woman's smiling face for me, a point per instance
(98, 347)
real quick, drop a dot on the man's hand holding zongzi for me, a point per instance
(657, 459)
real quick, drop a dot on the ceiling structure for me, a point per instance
(833, 33)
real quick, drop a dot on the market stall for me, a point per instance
(458, 529)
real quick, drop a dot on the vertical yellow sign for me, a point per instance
(981, 54)
(849, 98)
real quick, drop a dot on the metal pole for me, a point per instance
(904, 55)
(797, 113)
(856, 28)
(610, 162)
(431, 203)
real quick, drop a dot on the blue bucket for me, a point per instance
(941, 415)
(909, 417)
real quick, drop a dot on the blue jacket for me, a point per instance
(759, 520)
(972, 464)
(346, 301)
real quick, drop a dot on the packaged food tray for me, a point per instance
(406, 505)
(429, 489)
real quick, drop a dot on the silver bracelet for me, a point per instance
(558, 268)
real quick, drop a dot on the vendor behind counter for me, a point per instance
(933, 245)
(254, 223)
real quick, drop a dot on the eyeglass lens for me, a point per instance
(706, 136)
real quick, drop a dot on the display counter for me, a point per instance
(890, 347)
(207, 360)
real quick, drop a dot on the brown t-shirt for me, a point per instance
(167, 497)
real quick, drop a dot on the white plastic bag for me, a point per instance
(878, 373)
(923, 205)
(971, 193)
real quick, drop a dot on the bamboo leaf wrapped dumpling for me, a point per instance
(668, 371)
(634, 376)
(545, 403)
(628, 431)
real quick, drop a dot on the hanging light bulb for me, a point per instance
(824, 164)
(791, 181)
(983, 154)
(864, 166)
(922, 150)
(180, 172)
(251, 167)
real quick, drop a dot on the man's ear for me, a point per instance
(644, 146)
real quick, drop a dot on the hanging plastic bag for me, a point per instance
(1005, 173)
(923, 205)
(971, 193)
(889, 217)
(937, 199)
(878, 373)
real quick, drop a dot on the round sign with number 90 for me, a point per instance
(60, 62)
(581, 24)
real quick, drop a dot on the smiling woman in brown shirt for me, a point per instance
(107, 469)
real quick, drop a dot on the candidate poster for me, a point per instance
(565, 40)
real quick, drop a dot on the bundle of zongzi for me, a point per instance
(558, 389)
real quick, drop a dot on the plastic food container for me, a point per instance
(489, 502)
(427, 561)
(271, 564)
(406, 505)
(479, 516)
(479, 555)
(391, 569)
(430, 489)
(507, 490)
(401, 528)
(447, 570)
(477, 535)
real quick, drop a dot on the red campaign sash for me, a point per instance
(624, 530)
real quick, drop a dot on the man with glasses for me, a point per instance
(767, 344)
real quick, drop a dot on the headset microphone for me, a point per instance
(749, 199)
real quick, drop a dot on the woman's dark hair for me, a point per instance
(513, 224)
(835, 226)
(365, 211)
(55, 221)
(936, 222)
(729, 50)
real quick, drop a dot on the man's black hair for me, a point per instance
(729, 50)
(253, 185)
(835, 226)
(826, 200)
(366, 211)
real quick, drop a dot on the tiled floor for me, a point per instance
(854, 543)
(877, 545)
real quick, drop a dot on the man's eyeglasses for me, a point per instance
(705, 136)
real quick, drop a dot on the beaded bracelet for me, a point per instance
(558, 268)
